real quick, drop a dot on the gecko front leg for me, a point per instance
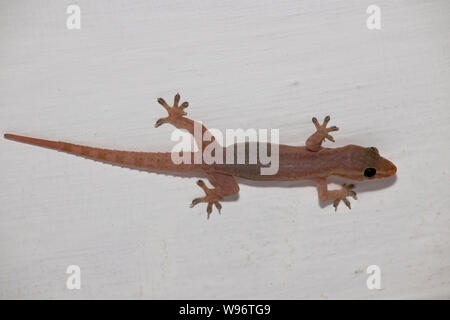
(314, 142)
(336, 195)
(224, 185)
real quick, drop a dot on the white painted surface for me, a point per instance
(258, 64)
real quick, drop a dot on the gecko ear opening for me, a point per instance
(370, 172)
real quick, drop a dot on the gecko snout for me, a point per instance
(383, 168)
(386, 168)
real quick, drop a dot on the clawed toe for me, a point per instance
(209, 208)
(163, 102)
(210, 204)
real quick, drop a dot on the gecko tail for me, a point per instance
(154, 161)
(37, 142)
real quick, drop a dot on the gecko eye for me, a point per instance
(370, 172)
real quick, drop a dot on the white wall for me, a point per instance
(240, 64)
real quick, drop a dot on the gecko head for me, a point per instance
(365, 164)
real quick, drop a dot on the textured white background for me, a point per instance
(240, 64)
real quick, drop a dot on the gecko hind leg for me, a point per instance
(211, 197)
(224, 185)
(314, 142)
(176, 112)
(177, 118)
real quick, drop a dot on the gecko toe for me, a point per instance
(160, 122)
(196, 201)
(347, 203)
(336, 203)
(184, 105)
(353, 194)
(218, 206)
(176, 99)
(333, 128)
(209, 209)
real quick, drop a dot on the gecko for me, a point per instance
(312, 162)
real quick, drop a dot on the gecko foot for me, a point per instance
(211, 198)
(175, 111)
(344, 193)
(322, 129)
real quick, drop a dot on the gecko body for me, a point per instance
(310, 162)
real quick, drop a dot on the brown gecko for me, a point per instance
(310, 162)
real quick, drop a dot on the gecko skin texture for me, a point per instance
(310, 162)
